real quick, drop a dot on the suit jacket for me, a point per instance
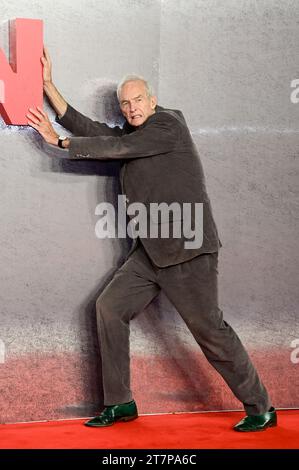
(160, 163)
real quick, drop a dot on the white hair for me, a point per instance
(135, 78)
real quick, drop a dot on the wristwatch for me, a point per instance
(61, 138)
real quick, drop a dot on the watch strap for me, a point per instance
(60, 140)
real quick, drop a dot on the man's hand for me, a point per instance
(40, 121)
(56, 100)
(47, 67)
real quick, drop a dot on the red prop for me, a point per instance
(21, 83)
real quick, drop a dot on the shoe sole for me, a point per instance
(128, 418)
(272, 425)
(125, 419)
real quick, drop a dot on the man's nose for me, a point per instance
(132, 107)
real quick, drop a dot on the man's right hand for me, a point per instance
(47, 67)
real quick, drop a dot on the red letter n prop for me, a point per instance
(21, 81)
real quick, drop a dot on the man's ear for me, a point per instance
(154, 102)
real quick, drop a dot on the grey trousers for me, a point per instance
(192, 288)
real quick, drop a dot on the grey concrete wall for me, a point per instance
(228, 67)
(236, 62)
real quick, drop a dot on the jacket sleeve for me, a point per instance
(160, 136)
(81, 125)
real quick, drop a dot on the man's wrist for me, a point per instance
(66, 143)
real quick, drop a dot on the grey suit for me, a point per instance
(161, 164)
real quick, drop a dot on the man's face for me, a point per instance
(135, 105)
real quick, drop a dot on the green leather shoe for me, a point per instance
(114, 413)
(257, 423)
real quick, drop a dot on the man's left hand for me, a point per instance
(40, 121)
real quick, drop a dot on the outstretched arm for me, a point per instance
(160, 136)
(56, 99)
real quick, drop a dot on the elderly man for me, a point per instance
(160, 165)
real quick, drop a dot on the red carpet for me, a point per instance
(175, 431)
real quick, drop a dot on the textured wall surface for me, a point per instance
(228, 67)
(232, 79)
